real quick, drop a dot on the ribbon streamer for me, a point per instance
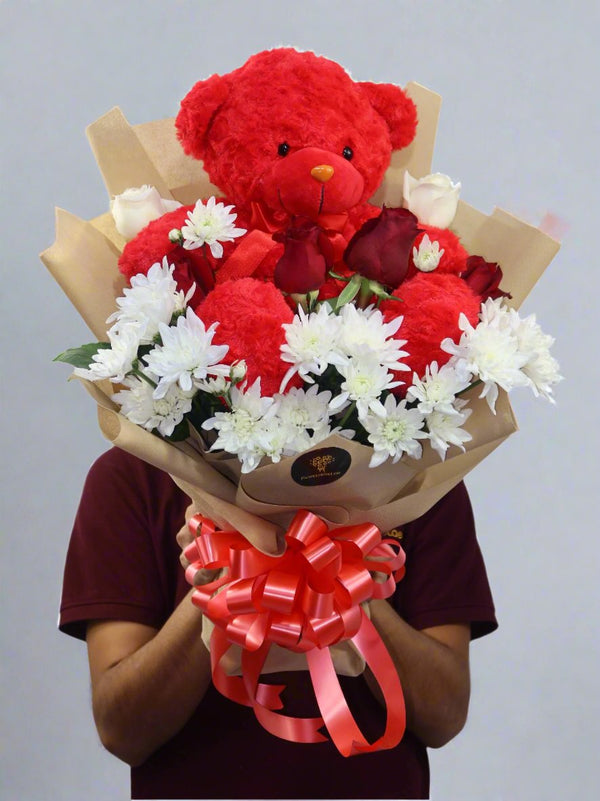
(306, 599)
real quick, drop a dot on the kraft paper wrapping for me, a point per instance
(83, 259)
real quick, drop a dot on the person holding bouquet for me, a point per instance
(154, 705)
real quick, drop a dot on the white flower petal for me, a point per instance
(210, 224)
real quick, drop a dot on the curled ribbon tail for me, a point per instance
(346, 735)
(237, 688)
(297, 730)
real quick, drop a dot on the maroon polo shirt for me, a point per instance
(123, 564)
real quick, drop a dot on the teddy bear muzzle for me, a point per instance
(312, 181)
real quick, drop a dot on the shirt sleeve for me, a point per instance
(445, 580)
(114, 569)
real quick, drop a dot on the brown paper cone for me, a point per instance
(522, 251)
(84, 259)
(84, 262)
(417, 157)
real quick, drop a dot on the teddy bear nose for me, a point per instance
(322, 172)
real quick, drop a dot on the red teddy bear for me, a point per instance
(296, 146)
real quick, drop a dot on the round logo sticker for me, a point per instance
(323, 466)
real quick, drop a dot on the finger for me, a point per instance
(184, 537)
(190, 512)
(205, 576)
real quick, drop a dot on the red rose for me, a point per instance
(380, 250)
(484, 278)
(307, 255)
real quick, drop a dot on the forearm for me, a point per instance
(434, 675)
(144, 698)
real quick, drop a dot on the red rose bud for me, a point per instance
(307, 256)
(484, 278)
(380, 250)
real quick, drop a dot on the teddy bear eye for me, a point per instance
(283, 149)
(347, 152)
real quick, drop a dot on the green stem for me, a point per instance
(474, 384)
(142, 376)
(365, 294)
(349, 411)
(300, 299)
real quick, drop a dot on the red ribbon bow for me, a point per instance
(254, 247)
(306, 599)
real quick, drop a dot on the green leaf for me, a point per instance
(81, 356)
(331, 302)
(180, 433)
(339, 277)
(378, 290)
(312, 299)
(144, 350)
(349, 292)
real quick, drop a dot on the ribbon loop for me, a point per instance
(306, 600)
(280, 591)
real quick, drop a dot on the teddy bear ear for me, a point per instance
(197, 110)
(396, 108)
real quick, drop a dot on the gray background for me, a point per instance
(520, 129)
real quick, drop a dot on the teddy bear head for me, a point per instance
(293, 131)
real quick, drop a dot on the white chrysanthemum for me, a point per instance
(238, 371)
(210, 225)
(541, 368)
(491, 352)
(363, 384)
(186, 354)
(115, 362)
(427, 256)
(327, 431)
(218, 386)
(243, 430)
(151, 299)
(364, 334)
(437, 389)
(495, 312)
(139, 405)
(301, 412)
(395, 432)
(311, 344)
(275, 441)
(445, 429)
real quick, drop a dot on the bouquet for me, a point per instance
(357, 372)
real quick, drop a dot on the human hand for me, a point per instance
(184, 539)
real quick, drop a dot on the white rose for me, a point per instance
(432, 199)
(134, 208)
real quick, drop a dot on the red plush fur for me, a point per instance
(250, 314)
(237, 122)
(191, 266)
(431, 307)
